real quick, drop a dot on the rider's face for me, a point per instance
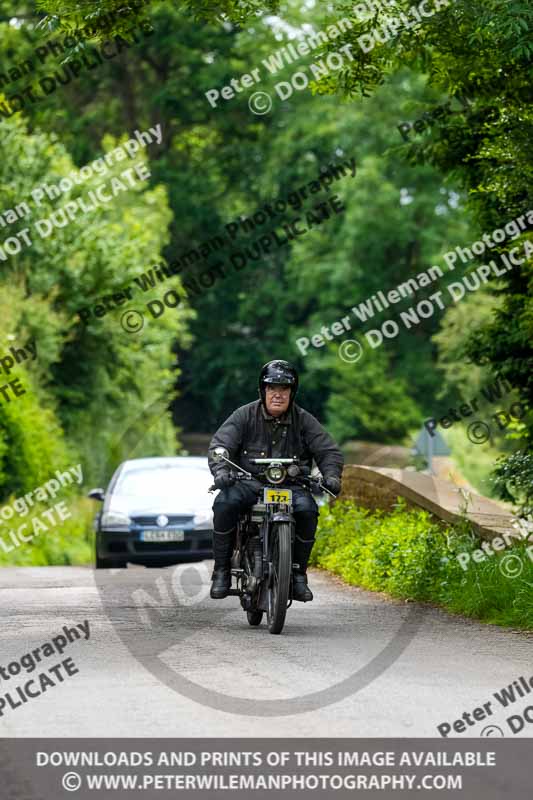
(277, 399)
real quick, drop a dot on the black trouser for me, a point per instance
(231, 501)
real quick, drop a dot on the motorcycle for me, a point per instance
(262, 562)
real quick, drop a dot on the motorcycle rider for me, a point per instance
(273, 426)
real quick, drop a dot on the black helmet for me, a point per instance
(281, 372)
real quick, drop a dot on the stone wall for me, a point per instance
(379, 488)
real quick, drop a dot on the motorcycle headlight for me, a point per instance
(115, 519)
(275, 474)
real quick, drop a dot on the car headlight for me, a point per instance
(202, 519)
(115, 519)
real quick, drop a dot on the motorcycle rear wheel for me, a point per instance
(278, 592)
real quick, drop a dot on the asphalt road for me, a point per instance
(163, 659)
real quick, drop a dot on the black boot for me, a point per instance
(221, 583)
(300, 589)
(302, 551)
(221, 577)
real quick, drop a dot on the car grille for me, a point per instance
(173, 521)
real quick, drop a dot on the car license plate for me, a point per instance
(277, 496)
(162, 536)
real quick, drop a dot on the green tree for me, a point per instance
(481, 50)
(366, 404)
(94, 377)
(31, 436)
(401, 214)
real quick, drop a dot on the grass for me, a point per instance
(409, 555)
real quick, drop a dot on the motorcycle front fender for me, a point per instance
(282, 516)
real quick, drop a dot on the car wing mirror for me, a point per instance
(97, 494)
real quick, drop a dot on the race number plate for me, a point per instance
(277, 496)
(162, 536)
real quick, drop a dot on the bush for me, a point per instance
(407, 553)
(31, 435)
(513, 480)
(71, 543)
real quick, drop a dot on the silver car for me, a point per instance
(156, 512)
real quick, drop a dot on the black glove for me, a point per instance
(332, 483)
(224, 478)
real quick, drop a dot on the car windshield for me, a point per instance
(166, 482)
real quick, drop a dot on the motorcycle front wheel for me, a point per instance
(278, 592)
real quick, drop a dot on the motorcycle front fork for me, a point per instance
(257, 574)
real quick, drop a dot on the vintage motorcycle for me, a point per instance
(262, 561)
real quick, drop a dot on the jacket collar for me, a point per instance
(285, 419)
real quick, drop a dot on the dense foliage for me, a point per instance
(100, 389)
(69, 543)
(481, 50)
(409, 554)
(86, 380)
(514, 480)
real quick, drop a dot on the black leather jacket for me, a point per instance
(252, 433)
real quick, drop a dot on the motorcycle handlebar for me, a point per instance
(317, 484)
(238, 476)
(306, 481)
